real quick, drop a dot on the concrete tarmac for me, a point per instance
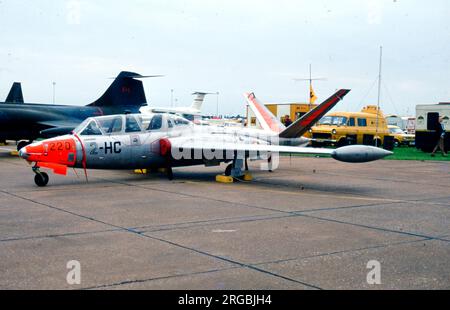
(312, 224)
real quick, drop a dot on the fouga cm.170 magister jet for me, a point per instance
(137, 141)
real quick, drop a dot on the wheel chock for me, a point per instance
(247, 177)
(14, 153)
(141, 171)
(162, 170)
(224, 179)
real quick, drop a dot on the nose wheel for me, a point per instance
(41, 178)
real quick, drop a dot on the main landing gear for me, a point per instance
(239, 170)
(235, 171)
(41, 178)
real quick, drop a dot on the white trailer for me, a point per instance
(427, 116)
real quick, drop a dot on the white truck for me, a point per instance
(427, 116)
(406, 123)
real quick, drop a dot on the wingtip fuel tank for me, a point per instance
(359, 154)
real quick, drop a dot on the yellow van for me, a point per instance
(345, 128)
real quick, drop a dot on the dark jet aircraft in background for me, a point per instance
(26, 122)
(15, 94)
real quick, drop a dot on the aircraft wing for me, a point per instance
(60, 123)
(212, 144)
(227, 144)
(57, 128)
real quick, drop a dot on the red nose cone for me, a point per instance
(59, 151)
(33, 152)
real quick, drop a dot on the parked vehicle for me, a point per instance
(400, 137)
(406, 123)
(427, 122)
(367, 127)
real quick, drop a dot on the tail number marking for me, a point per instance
(112, 148)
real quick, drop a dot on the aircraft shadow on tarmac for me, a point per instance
(263, 180)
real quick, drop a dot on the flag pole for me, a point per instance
(379, 95)
(310, 86)
(310, 79)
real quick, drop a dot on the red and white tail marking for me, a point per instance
(267, 120)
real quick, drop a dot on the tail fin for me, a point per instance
(267, 120)
(198, 100)
(15, 94)
(125, 91)
(302, 125)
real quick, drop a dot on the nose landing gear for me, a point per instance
(41, 178)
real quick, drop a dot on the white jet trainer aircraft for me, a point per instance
(192, 113)
(137, 141)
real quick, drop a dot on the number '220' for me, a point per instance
(60, 146)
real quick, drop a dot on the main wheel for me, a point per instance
(228, 170)
(41, 179)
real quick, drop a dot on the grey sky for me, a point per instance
(228, 46)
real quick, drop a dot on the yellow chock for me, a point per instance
(141, 171)
(14, 153)
(247, 177)
(162, 170)
(224, 179)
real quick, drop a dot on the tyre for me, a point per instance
(228, 170)
(377, 143)
(342, 142)
(41, 179)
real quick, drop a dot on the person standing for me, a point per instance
(441, 142)
(287, 121)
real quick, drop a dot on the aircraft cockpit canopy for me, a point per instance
(130, 123)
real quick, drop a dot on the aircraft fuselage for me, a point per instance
(26, 121)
